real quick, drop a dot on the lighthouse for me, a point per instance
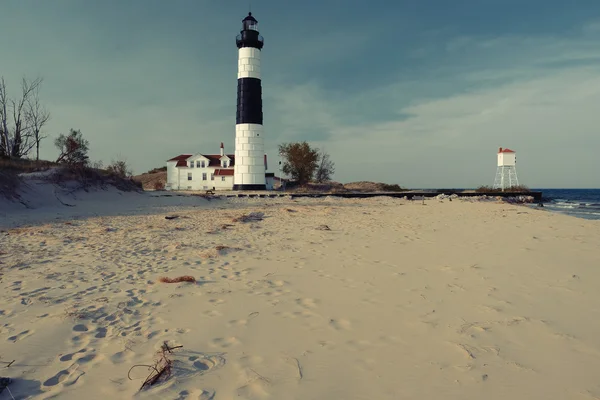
(249, 145)
(506, 174)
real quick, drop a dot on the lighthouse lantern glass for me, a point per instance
(250, 25)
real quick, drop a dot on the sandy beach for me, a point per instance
(321, 299)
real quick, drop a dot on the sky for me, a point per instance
(421, 93)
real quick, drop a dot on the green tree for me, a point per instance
(300, 161)
(73, 148)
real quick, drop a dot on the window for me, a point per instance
(212, 177)
(224, 164)
(204, 176)
(191, 164)
(222, 179)
(202, 164)
(197, 164)
(189, 176)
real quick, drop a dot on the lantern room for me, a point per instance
(506, 158)
(249, 36)
(250, 23)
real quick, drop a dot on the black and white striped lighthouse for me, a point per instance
(249, 146)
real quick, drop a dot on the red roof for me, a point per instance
(181, 160)
(223, 172)
(214, 160)
(505, 150)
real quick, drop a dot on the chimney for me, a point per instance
(222, 150)
(500, 151)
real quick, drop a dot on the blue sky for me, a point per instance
(419, 93)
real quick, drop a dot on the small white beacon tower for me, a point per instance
(506, 174)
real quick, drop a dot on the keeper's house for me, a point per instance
(205, 172)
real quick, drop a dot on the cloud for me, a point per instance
(408, 98)
(547, 112)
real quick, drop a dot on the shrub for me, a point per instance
(512, 189)
(156, 170)
(25, 165)
(119, 168)
(391, 188)
(88, 177)
(159, 185)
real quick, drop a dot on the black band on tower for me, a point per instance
(249, 101)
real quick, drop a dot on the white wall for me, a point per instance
(507, 159)
(197, 183)
(219, 184)
(249, 155)
(248, 63)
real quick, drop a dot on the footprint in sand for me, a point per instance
(20, 336)
(67, 377)
(80, 328)
(69, 357)
(196, 395)
(237, 322)
(340, 324)
(308, 303)
(101, 332)
(121, 357)
(225, 342)
(212, 313)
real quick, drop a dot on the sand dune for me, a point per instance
(391, 300)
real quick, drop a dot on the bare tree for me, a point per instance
(325, 168)
(37, 116)
(18, 133)
(5, 142)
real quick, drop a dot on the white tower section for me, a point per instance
(506, 174)
(249, 142)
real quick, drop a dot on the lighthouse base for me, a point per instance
(250, 187)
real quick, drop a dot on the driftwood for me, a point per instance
(161, 369)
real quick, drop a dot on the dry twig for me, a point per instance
(162, 367)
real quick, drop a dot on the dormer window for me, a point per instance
(191, 164)
(224, 163)
(202, 164)
(197, 164)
